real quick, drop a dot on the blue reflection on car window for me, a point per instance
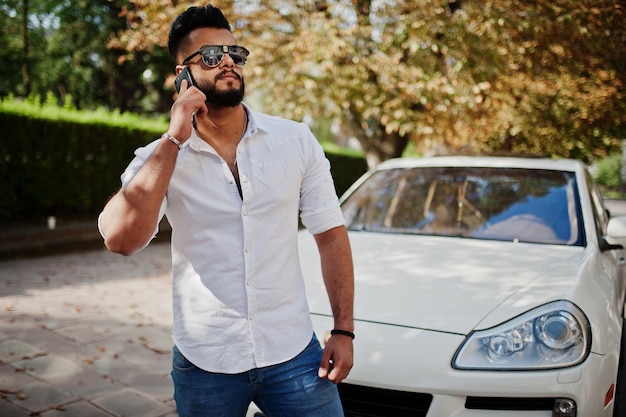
(550, 210)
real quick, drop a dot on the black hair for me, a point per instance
(194, 18)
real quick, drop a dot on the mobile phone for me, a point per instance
(183, 75)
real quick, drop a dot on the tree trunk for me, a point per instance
(377, 144)
(25, 49)
(383, 147)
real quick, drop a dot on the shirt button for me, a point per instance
(247, 249)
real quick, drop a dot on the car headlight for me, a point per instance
(555, 335)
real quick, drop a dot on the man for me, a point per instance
(232, 182)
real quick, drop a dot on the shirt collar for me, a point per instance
(255, 124)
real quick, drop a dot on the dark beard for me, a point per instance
(229, 98)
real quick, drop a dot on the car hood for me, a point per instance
(445, 284)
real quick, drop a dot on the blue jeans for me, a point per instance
(288, 389)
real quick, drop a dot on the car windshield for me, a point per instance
(522, 205)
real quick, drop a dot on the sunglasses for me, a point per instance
(212, 55)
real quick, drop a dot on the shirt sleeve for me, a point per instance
(319, 203)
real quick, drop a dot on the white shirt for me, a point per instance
(238, 292)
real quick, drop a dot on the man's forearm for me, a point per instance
(338, 273)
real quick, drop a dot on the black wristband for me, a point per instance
(342, 332)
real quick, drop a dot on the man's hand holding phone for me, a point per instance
(184, 74)
(190, 105)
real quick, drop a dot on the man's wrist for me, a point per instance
(172, 139)
(343, 333)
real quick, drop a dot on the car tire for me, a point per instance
(619, 408)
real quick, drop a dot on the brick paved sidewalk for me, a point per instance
(86, 334)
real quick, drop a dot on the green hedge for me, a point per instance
(346, 168)
(69, 168)
(61, 168)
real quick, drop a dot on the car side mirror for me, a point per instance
(616, 232)
(604, 246)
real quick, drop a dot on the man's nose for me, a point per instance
(227, 61)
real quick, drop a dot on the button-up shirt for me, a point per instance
(238, 291)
